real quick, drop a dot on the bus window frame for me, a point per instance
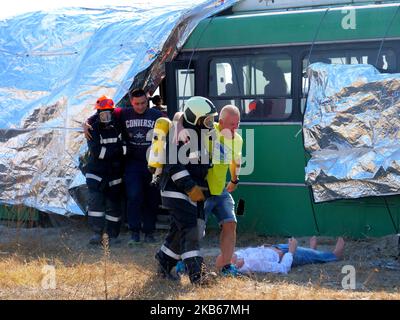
(346, 49)
(171, 82)
(297, 53)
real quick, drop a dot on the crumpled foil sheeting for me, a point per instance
(352, 131)
(54, 66)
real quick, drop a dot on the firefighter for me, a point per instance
(104, 174)
(142, 199)
(184, 188)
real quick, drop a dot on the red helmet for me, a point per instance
(104, 103)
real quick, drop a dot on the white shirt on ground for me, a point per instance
(264, 259)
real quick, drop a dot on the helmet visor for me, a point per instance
(208, 121)
(105, 116)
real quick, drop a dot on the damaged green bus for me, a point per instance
(247, 54)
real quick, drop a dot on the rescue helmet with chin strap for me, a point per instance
(104, 103)
(104, 106)
(199, 108)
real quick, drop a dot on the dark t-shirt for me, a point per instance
(135, 128)
(162, 109)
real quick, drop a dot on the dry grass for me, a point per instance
(124, 273)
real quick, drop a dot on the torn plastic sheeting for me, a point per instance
(351, 129)
(55, 65)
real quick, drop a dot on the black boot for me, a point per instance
(96, 239)
(165, 265)
(198, 274)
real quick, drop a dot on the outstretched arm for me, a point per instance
(87, 127)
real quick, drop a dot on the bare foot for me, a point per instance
(339, 248)
(313, 242)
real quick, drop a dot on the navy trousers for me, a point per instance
(142, 199)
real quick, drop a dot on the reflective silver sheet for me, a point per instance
(54, 66)
(352, 131)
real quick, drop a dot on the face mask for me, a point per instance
(105, 116)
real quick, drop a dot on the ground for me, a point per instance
(27, 257)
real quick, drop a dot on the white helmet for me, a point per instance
(199, 107)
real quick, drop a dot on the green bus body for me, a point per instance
(277, 201)
(293, 27)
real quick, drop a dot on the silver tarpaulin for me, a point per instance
(54, 66)
(352, 131)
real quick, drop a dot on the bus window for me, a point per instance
(224, 83)
(259, 85)
(184, 86)
(223, 79)
(386, 63)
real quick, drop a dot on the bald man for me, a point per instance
(226, 150)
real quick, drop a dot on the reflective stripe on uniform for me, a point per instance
(102, 152)
(170, 253)
(180, 175)
(191, 254)
(111, 218)
(95, 213)
(108, 140)
(93, 176)
(124, 150)
(177, 195)
(114, 182)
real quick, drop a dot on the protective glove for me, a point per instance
(196, 194)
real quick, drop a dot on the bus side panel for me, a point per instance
(278, 154)
(272, 210)
(294, 27)
(359, 217)
(288, 211)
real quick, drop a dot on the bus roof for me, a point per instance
(252, 29)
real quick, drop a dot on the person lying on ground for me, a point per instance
(281, 258)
